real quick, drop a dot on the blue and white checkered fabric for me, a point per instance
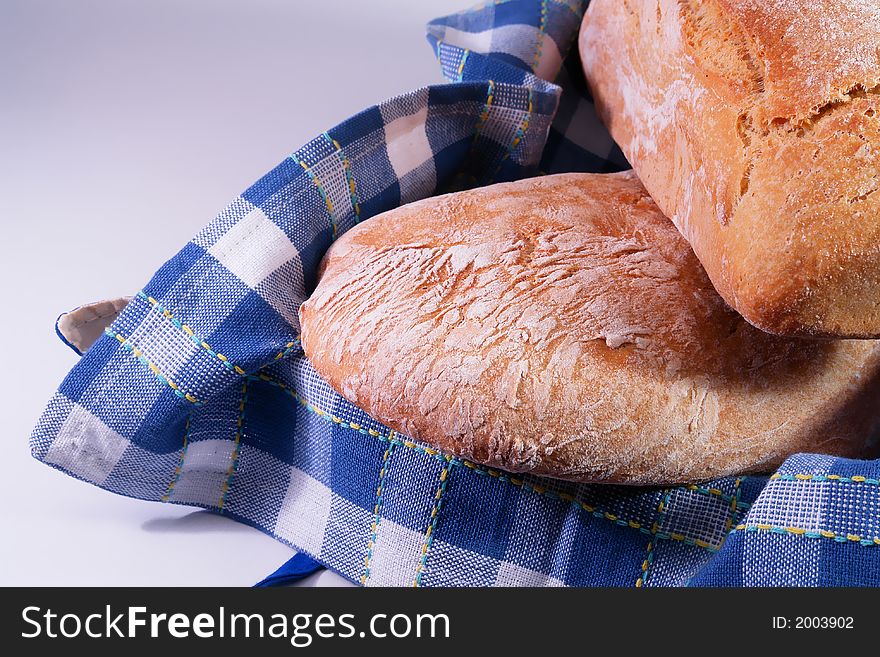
(199, 393)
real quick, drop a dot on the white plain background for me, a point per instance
(124, 128)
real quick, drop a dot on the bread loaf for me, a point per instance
(562, 326)
(755, 126)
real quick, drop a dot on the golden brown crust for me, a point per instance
(755, 126)
(562, 326)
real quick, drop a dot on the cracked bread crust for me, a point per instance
(755, 126)
(562, 326)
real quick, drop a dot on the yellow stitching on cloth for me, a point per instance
(819, 478)
(377, 518)
(190, 333)
(236, 445)
(290, 346)
(484, 115)
(432, 523)
(516, 481)
(137, 353)
(179, 468)
(464, 58)
(838, 537)
(518, 136)
(645, 565)
(708, 491)
(542, 32)
(642, 579)
(317, 181)
(346, 168)
(733, 504)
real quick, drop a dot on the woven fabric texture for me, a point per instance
(200, 394)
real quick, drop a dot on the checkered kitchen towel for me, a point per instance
(199, 393)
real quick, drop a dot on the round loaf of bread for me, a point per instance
(562, 326)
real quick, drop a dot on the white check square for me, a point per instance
(86, 447)
(254, 248)
(407, 142)
(304, 512)
(397, 553)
